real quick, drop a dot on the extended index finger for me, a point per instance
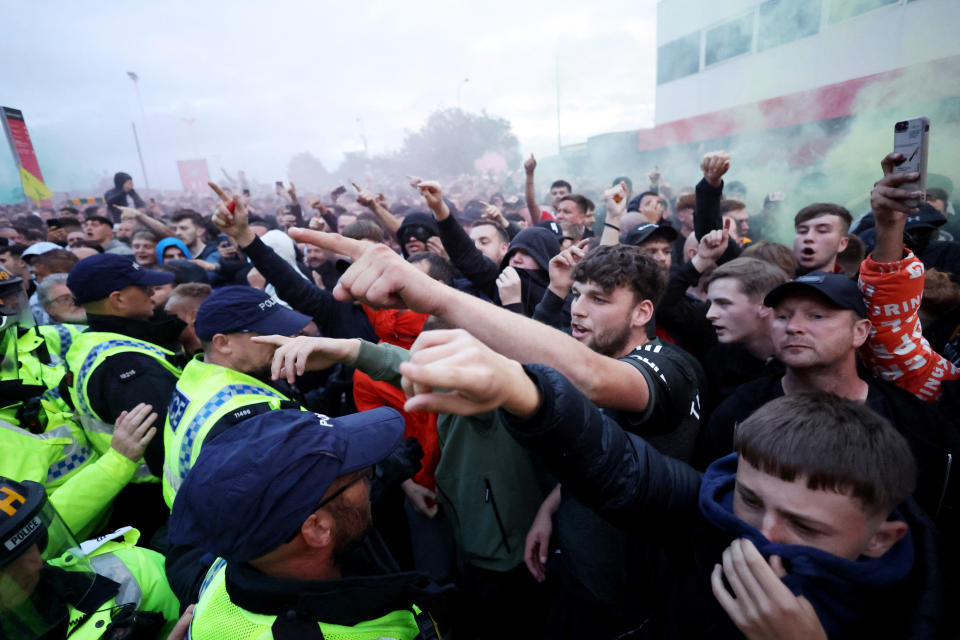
(219, 191)
(330, 241)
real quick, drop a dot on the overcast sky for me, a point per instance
(262, 81)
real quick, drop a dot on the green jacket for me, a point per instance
(485, 480)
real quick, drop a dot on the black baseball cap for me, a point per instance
(642, 232)
(237, 308)
(98, 276)
(101, 219)
(256, 483)
(836, 287)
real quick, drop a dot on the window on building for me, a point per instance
(729, 39)
(843, 9)
(678, 58)
(783, 21)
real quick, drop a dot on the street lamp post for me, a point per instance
(143, 118)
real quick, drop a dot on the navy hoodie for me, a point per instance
(841, 591)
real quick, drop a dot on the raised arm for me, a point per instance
(366, 198)
(380, 278)
(156, 227)
(471, 262)
(616, 200)
(618, 474)
(530, 192)
(891, 283)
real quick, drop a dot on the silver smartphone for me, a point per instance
(911, 138)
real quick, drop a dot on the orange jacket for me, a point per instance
(897, 350)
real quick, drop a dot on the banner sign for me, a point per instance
(19, 139)
(194, 175)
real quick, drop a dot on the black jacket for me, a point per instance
(126, 379)
(117, 196)
(470, 261)
(685, 317)
(334, 318)
(542, 245)
(657, 499)
(706, 217)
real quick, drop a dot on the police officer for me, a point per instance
(28, 373)
(282, 499)
(81, 484)
(122, 360)
(227, 383)
(52, 588)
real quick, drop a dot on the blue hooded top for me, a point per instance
(841, 591)
(174, 242)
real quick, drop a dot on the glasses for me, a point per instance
(363, 474)
(66, 298)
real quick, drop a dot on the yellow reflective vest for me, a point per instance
(205, 393)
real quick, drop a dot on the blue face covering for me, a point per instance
(841, 591)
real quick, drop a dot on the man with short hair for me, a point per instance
(144, 246)
(99, 229)
(795, 537)
(736, 211)
(305, 562)
(123, 359)
(45, 261)
(65, 319)
(189, 227)
(184, 301)
(11, 259)
(230, 382)
(656, 241)
(651, 387)
(821, 234)
(819, 321)
(573, 208)
(491, 239)
(735, 293)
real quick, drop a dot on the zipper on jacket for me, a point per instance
(946, 483)
(488, 498)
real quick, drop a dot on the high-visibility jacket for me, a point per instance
(88, 351)
(215, 616)
(59, 337)
(205, 394)
(36, 369)
(141, 578)
(81, 483)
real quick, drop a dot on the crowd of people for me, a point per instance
(452, 411)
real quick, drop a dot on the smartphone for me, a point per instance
(339, 191)
(279, 184)
(246, 192)
(911, 138)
